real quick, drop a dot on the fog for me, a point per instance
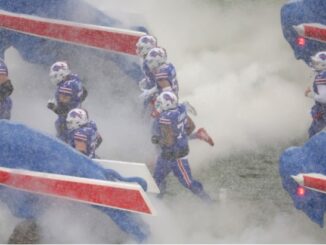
(237, 70)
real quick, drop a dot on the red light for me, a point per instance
(301, 41)
(301, 191)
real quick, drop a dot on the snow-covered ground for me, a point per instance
(237, 70)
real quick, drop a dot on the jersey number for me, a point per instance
(181, 129)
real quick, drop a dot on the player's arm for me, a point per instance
(59, 110)
(98, 140)
(84, 94)
(164, 85)
(190, 125)
(80, 146)
(167, 135)
(62, 107)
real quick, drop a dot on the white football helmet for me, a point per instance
(145, 44)
(58, 71)
(318, 61)
(76, 118)
(166, 101)
(155, 58)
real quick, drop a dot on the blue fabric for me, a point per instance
(167, 72)
(181, 170)
(24, 148)
(177, 120)
(309, 158)
(46, 52)
(88, 134)
(298, 12)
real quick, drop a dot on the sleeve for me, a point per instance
(165, 121)
(79, 136)
(79, 90)
(84, 94)
(162, 74)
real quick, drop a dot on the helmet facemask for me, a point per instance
(318, 61)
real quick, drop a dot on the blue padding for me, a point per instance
(298, 12)
(310, 158)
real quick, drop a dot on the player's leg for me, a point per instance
(26, 232)
(181, 170)
(202, 134)
(161, 170)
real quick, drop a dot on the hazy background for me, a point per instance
(235, 67)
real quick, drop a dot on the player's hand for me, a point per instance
(155, 113)
(156, 139)
(307, 91)
(148, 92)
(51, 104)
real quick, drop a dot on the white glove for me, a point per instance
(142, 84)
(51, 104)
(148, 92)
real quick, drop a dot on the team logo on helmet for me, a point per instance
(57, 67)
(147, 40)
(76, 114)
(167, 97)
(322, 56)
(156, 53)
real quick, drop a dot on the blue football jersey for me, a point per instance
(177, 119)
(167, 72)
(88, 134)
(71, 87)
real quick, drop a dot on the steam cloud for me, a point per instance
(235, 67)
